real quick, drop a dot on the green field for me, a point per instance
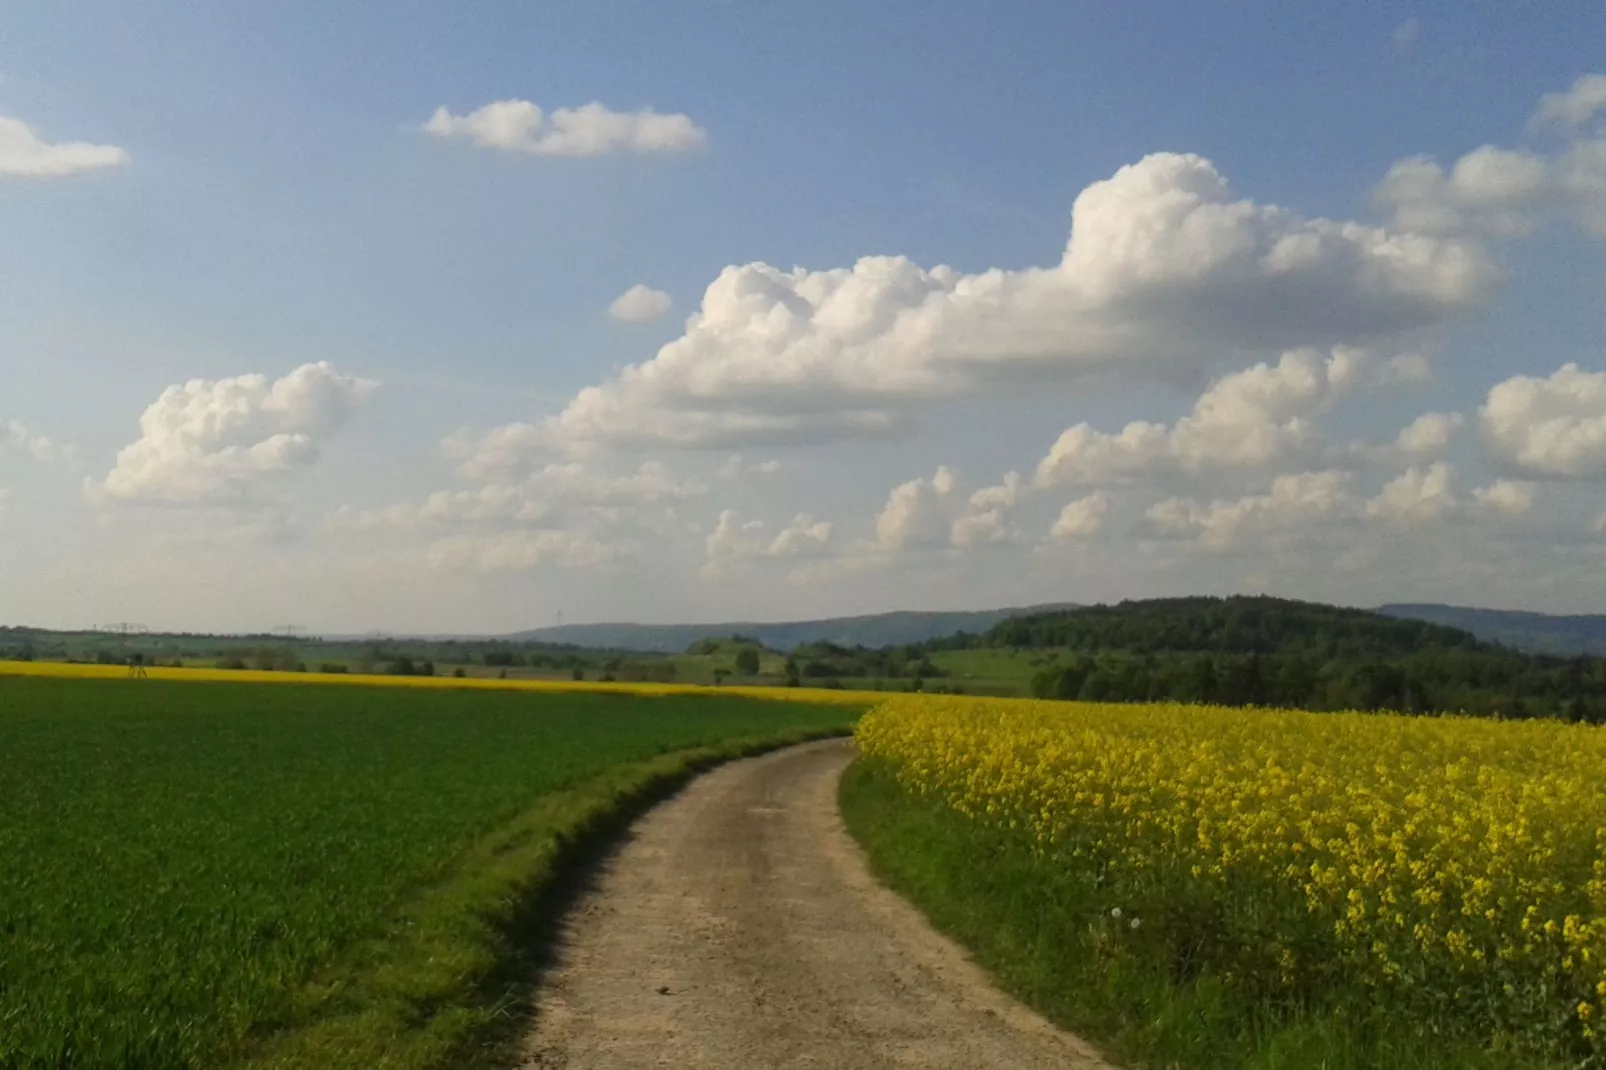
(198, 873)
(993, 670)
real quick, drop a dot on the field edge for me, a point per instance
(449, 981)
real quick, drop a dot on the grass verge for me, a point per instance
(1044, 935)
(448, 982)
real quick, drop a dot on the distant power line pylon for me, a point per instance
(289, 631)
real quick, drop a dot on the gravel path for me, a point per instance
(739, 928)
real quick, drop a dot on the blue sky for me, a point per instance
(278, 213)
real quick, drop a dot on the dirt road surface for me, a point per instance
(739, 929)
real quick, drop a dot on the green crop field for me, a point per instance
(182, 860)
(992, 671)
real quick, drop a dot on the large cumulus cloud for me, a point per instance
(1165, 274)
(228, 440)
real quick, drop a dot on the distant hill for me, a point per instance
(1260, 651)
(1239, 625)
(874, 630)
(1534, 633)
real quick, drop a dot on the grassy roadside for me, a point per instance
(1044, 935)
(447, 983)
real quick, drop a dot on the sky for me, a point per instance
(474, 317)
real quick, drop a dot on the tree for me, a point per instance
(747, 662)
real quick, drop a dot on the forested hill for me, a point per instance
(1268, 651)
(1239, 625)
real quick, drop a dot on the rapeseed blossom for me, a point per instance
(80, 670)
(1449, 869)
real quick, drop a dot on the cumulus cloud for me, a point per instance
(736, 468)
(1488, 189)
(1294, 503)
(16, 437)
(1418, 494)
(24, 154)
(1508, 192)
(589, 130)
(1549, 428)
(1310, 504)
(1499, 192)
(1164, 272)
(1247, 419)
(1505, 497)
(521, 550)
(735, 543)
(1583, 181)
(537, 499)
(986, 515)
(1429, 435)
(1081, 518)
(226, 441)
(502, 454)
(639, 304)
(1577, 106)
(917, 512)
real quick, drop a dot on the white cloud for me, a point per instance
(1164, 272)
(1429, 435)
(916, 512)
(986, 515)
(502, 454)
(1505, 497)
(1294, 503)
(734, 543)
(1508, 192)
(735, 468)
(1573, 108)
(1405, 35)
(803, 536)
(1583, 181)
(520, 550)
(492, 504)
(1488, 189)
(16, 436)
(24, 154)
(537, 499)
(1417, 495)
(1081, 518)
(1248, 419)
(227, 440)
(1553, 427)
(640, 304)
(589, 130)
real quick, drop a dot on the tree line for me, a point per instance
(1276, 652)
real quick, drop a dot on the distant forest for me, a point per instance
(1275, 652)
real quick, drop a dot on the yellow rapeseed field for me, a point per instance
(79, 670)
(1452, 870)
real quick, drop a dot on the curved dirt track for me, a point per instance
(738, 927)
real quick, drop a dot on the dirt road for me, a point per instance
(738, 929)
